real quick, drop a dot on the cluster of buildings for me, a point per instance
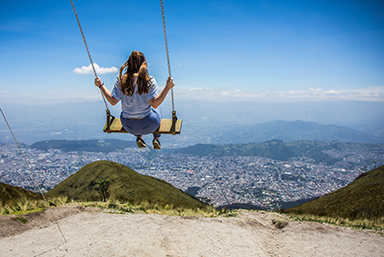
(221, 180)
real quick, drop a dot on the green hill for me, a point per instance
(126, 185)
(12, 194)
(362, 199)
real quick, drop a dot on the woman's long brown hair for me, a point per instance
(137, 73)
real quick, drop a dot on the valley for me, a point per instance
(255, 181)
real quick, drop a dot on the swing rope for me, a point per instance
(174, 117)
(167, 52)
(33, 177)
(88, 52)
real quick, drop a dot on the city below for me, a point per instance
(251, 181)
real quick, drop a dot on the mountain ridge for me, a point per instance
(275, 149)
(79, 121)
(297, 130)
(287, 131)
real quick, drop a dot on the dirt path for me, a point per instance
(251, 234)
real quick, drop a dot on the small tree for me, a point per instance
(102, 189)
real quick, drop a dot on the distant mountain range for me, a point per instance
(279, 150)
(293, 131)
(273, 149)
(203, 121)
(362, 199)
(126, 185)
(239, 134)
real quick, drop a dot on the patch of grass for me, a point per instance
(279, 224)
(115, 206)
(25, 206)
(12, 194)
(376, 225)
(8, 209)
(21, 219)
(228, 213)
(29, 211)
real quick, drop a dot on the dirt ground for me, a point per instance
(95, 233)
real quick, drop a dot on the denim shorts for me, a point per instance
(143, 126)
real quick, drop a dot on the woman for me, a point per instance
(139, 97)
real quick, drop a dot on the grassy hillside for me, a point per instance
(362, 199)
(126, 185)
(12, 194)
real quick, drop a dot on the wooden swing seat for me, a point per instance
(115, 126)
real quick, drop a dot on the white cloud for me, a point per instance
(99, 70)
(311, 95)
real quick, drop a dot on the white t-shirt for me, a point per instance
(135, 106)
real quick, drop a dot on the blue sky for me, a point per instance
(220, 50)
